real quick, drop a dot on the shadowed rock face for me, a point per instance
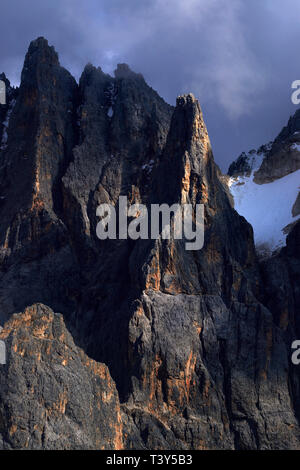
(284, 155)
(278, 158)
(246, 162)
(174, 349)
(52, 395)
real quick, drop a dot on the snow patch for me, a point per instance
(268, 207)
(296, 147)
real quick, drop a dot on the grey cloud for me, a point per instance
(239, 58)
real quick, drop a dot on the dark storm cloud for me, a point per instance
(239, 58)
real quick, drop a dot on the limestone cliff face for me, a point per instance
(274, 160)
(40, 139)
(284, 155)
(163, 348)
(52, 395)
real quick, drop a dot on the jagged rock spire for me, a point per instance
(198, 355)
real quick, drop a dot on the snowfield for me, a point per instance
(268, 207)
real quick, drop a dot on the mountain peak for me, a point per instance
(185, 99)
(124, 71)
(39, 51)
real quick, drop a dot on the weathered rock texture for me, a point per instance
(284, 155)
(244, 164)
(174, 349)
(52, 395)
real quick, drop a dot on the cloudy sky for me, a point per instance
(238, 57)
